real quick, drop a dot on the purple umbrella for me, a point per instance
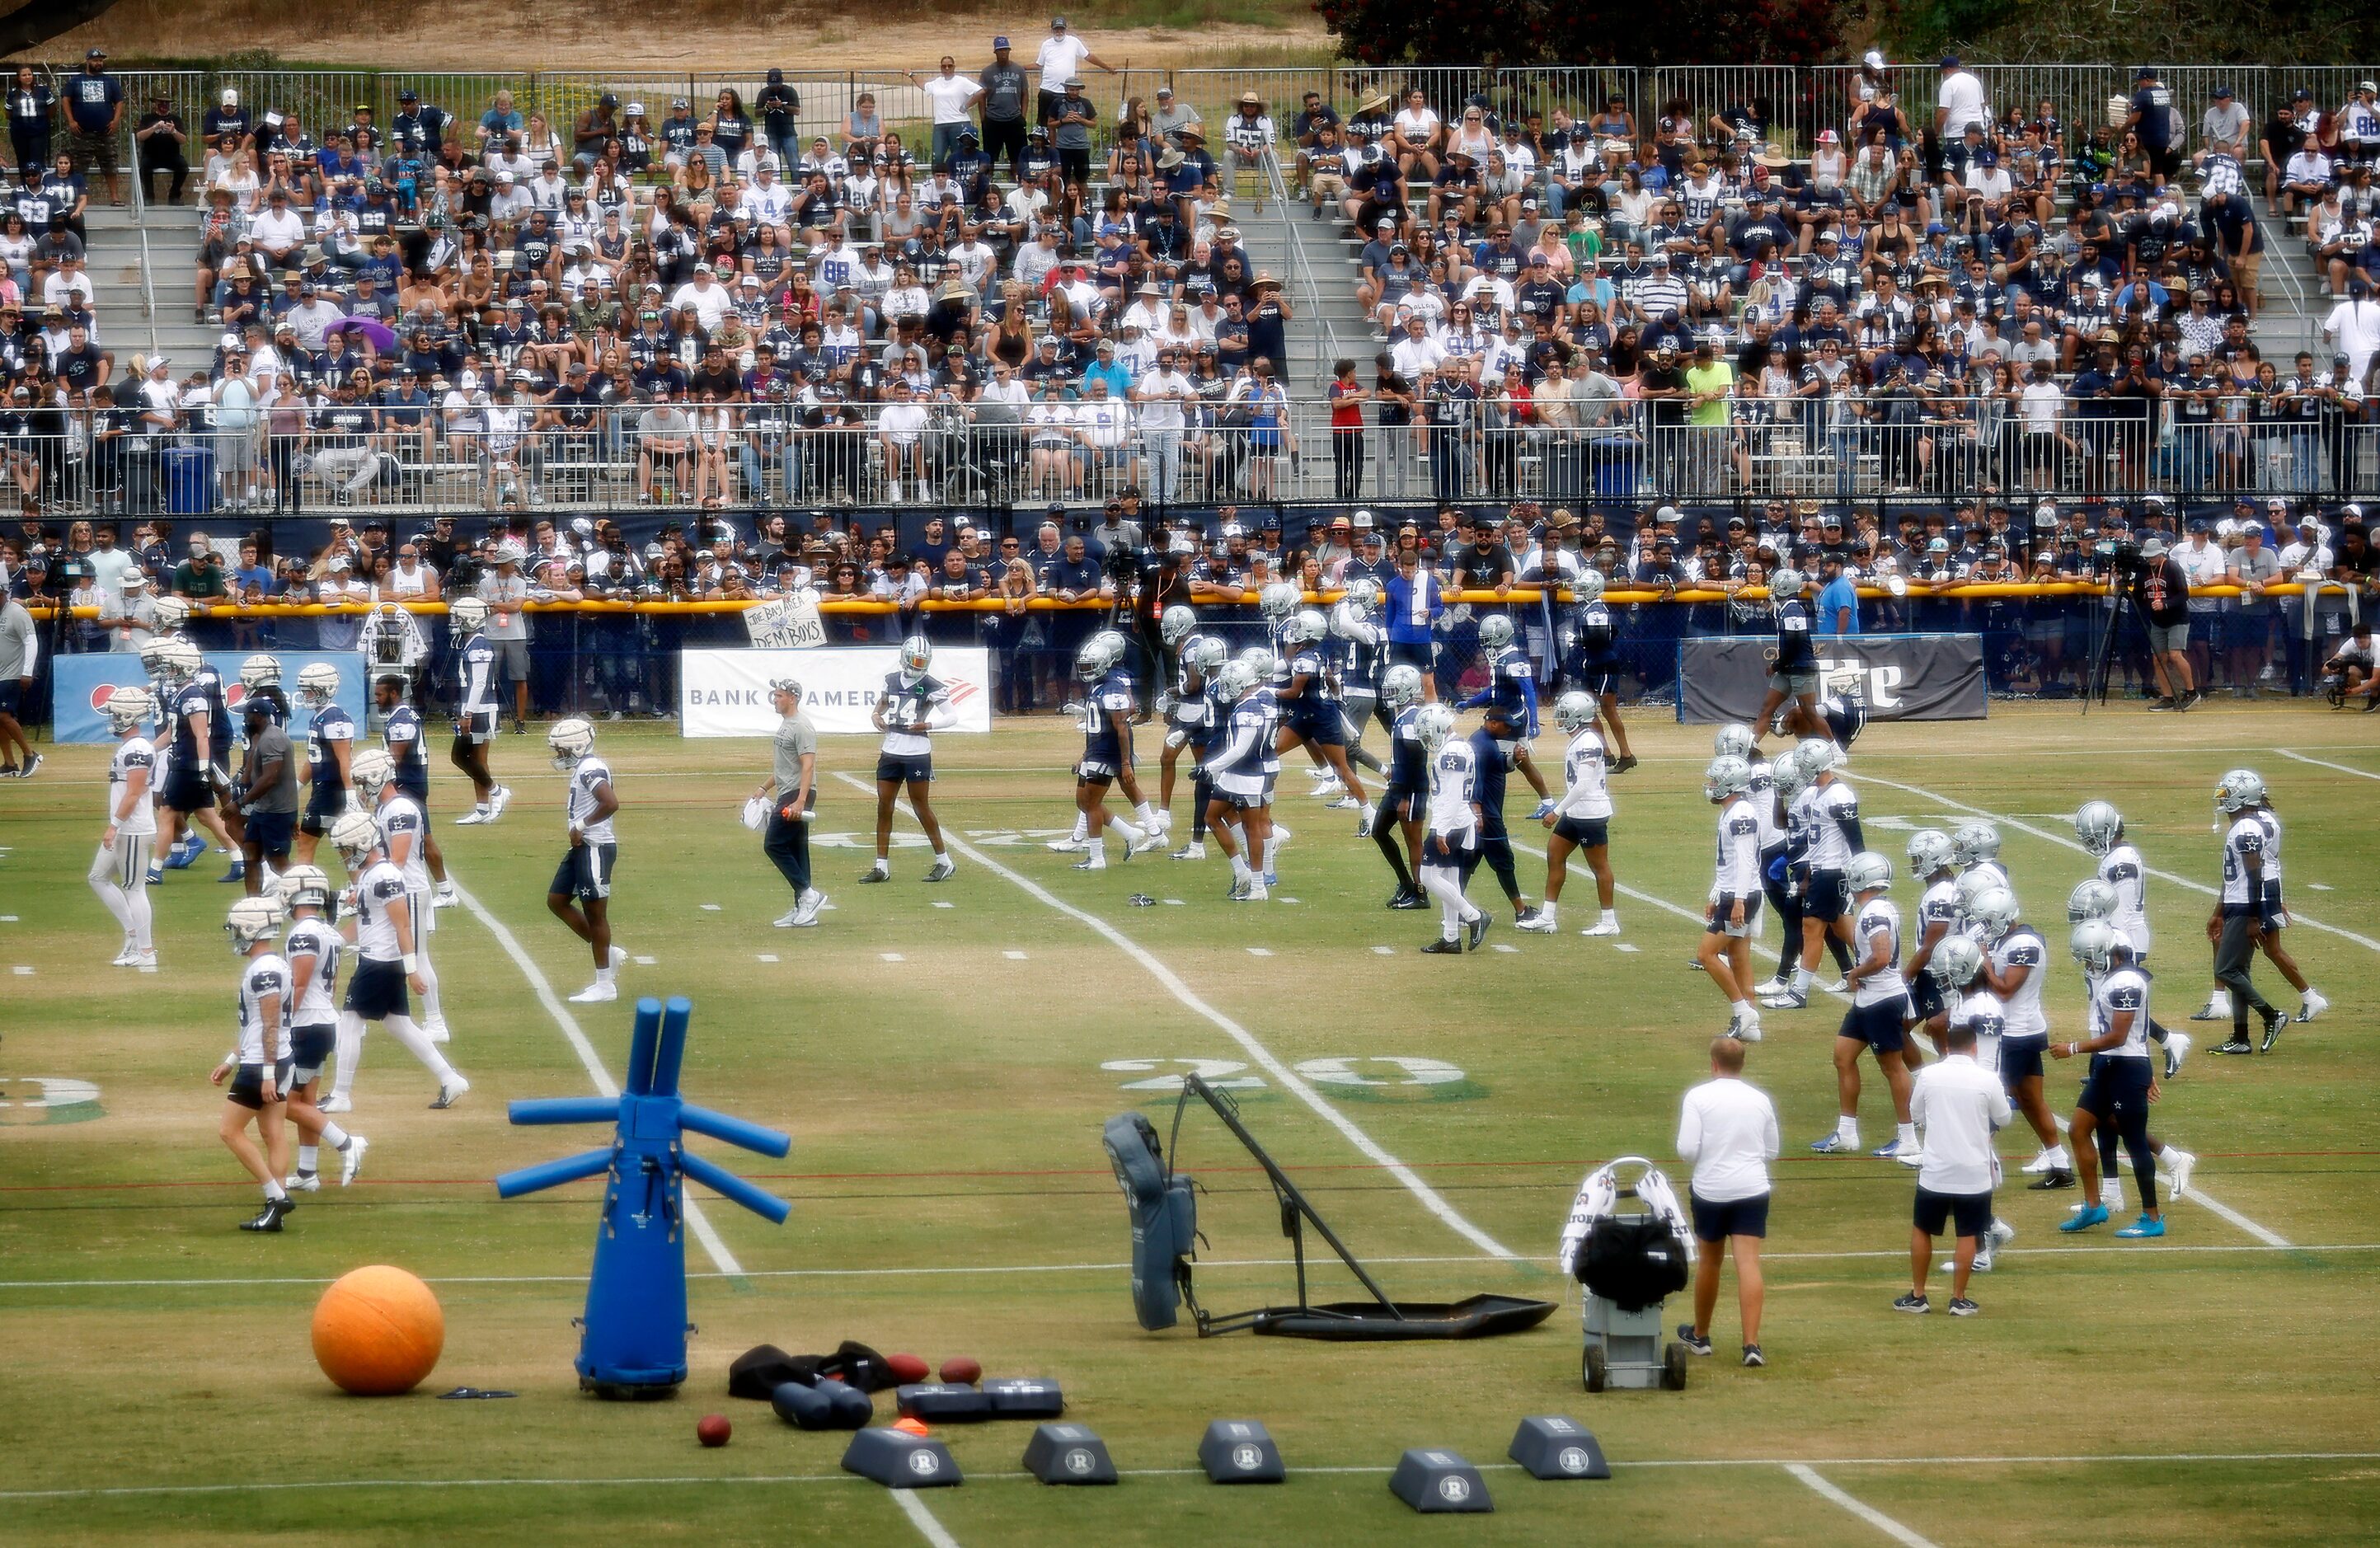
(378, 334)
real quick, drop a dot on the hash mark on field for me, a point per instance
(944, 902)
(1622, 946)
(1170, 903)
(1253, 952)
(767, 956)
(1384, 951)
(1505, 945)
(891, 956)
(2321, 887)
(24, 972)
(711, 908)
(1013, 956)
(645, 961)
(7, 919)
(1285, 900)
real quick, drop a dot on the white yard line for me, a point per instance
(2325, 763)
(138, 1491)
(933, 1531)
(1860, 1508)
(696, 1220)
(1263, 1056)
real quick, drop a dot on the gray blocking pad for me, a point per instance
(1068, 1454)
(1439, 1482)
(1556, 1446)
(900, 1460)
(943, 1402)
(1240, 1451)
(1024, 1397)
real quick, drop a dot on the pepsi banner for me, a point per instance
(1901, 677)
(725, 693)
(81, 685)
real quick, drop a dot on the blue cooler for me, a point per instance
(189, 479)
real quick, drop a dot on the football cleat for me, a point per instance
(127, 956)
(1891, 1150)
(1257, 893)
(1537, 921)
(2178, 1165)
(1602, 927)
(1079, 865)
(788, 919)
(2315, 1004)
(497, 799)
(1546, 809)
(2052, 1181)
(2217, 1009)
(1479, 929)
(335, 1103)
(451, 1092)
(1792, 999)
(473, 818)
(1694, 1342)
(445, 897)
(2142, 1228)
(1983, 1263)
(2050, 1160)
(1194, 849)
(302, 1182)
(437, 1031)
(1915, 1305)
(2002, 1233)
(2274, 1019)
(1443, 948)
(351, 1160)
(1347, 803)
(877, 873)
(1912, 1156)
(2083, 1218)
(1407, 898)
(944, 870)
(1831, 1143)
(1962, 1307)
(269, 1218)
(597, 993)
(1151, 841)
(1068, 846)
(2235, 1046)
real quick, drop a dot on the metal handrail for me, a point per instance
(141, 225)
(1301, 272)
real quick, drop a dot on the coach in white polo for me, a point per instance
(1727, 1130)
(1960, 1105)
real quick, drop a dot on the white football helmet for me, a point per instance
(2091, 899)
(1364, 592)
(1208, 655)
(916, 655)
(1574, 712)
(1786, 775)
(1868, 872)
(466, 614)
(179, 661)
(1433, 726)
(2099, 825)
(1733, 741)
(1971, 887)
(1260, 661)
(1956, 961)
(1176, 625)
(1817, 755)
(1587, 587)
(2240, 790)
(171, 614)
(1994, 913)
(357, 838)
(1400, 685)
(1784, 586)
(318, 683)
(1972, 841)
(1726, 775)
(1495, 631)
(2094, 943)
(1310, 627)
(1278, 599)
(1930, 854)
(306, 886)
(1098, 656)
(252, 920)
(261, 671)
(1236, 680)
(369, 769)
(128, 710)
(569, 741)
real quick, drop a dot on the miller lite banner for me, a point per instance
(81, 685)
(725, 693)
(1900, 677)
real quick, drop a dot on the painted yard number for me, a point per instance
(1223, 1074)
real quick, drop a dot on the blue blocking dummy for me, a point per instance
(633, 1338)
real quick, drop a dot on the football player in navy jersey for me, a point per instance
(1845, 716)
(1793, 676)
(1106, 752)
(1490, 765)
(1237, 768)
(1512, 687)
(475, 710)
(914, 705)
(1597, 664)
(401, 733)
(330, 745)
(1312, 715)
(1396, 822)
(200, 737)
(1360, 655)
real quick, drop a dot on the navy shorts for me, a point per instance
(1735, 1217)
(269, 833)
(1969, 1213)
(247, 1084)
(585, 873)
(2116, 1085)
(2020, 1060)
(1437, 850)
(903, 770)
(1586, 832)
(1924, 998)
(1599, 681)
(1878, 1025)
(1323, 726)
(1098, 771)
(1828, 899)
(1421, 656)
(322, 810)
(1724, 908)
(310, 1049)
(474, 726)
(187, 791)
(9, 691)
(1397, 804)
(377, 990)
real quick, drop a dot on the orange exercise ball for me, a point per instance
(378, 1331)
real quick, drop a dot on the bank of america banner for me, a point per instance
(725, 693)
(81, 685)
(1903, 677)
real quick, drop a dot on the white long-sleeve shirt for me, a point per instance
(1726, 1129)
(1959, 1104)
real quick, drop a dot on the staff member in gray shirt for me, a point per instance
(20, 653)
(792, 792)
(267, 794)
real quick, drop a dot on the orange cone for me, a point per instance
(912, 1426)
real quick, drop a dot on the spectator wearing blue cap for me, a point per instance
(2155, 122)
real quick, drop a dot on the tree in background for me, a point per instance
(37, 21)
(2177, 32)
(1582, 32)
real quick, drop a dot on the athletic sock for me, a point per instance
(1240, 872)
(1739, 1010)
(1131, 833)
(1847, 1130)
(1609, 917)
(306, 1157)
(418, 1043)
(1905, 1133)
(1802, 980)
(1147, 813)
(1099, 849)
(603, 973)
(334, 1136)
(349, 1043)
(274, 1193)
(1547, 911)
(1081, 827)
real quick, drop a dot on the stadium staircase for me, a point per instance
(160, 243)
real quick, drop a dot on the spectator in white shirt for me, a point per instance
(901, 429)
(1958, 103)
(952, 94)
(1727, 1131)
(1960, 1105)
(1416, 352)
(708, 299)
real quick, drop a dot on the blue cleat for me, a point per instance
(1545, 809)
(2084, 1218)
(1833, 1142)
(2144, 1226)
(239, 872)
(185, 853)
(1887, 1151)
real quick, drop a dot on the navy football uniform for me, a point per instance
(1105, 752)
(909, 755)
(328, 793)
(401, 733)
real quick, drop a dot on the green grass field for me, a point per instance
(945, 1056)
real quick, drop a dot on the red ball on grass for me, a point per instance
(961, 1371)
(713, 1430)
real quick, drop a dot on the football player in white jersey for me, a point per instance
(580, 893)
(1877, 1020)
(2016, 970)
(2101, 829)
(2121, 1085)
(257, 1065)
(914, 705)
(405, 739)
(312, 952)
(1827, 810)
(1726, 950)
(2244, 909)
(2273, 917)
(1452, 830)
(382, 931)
(1937, 920)
(1957, 970)
(404, 837)
(119, 872)
(1581, 819)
